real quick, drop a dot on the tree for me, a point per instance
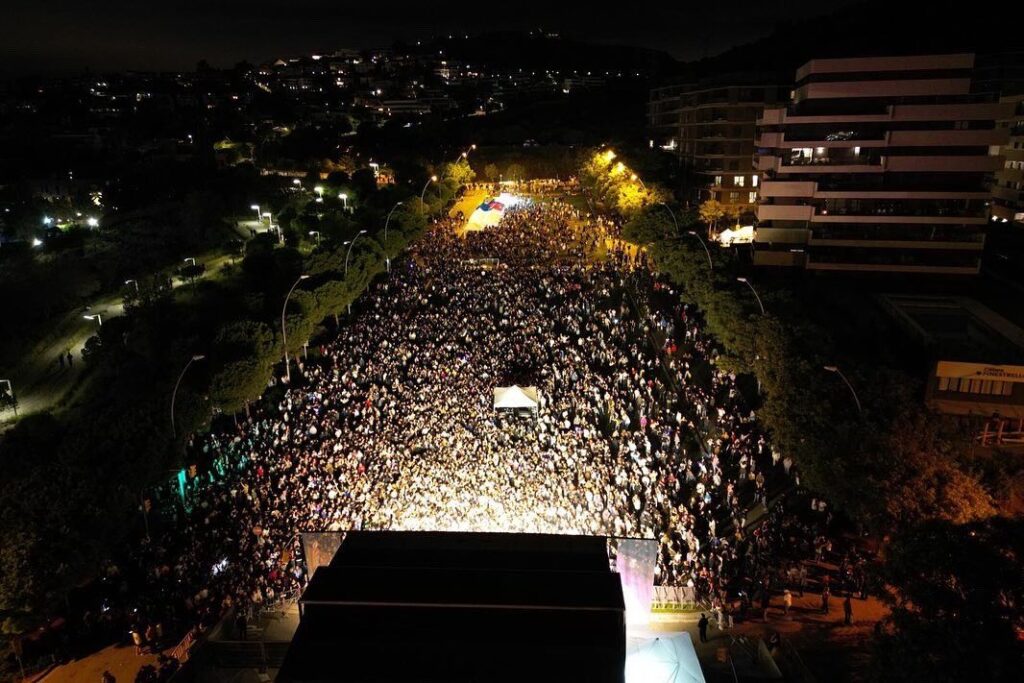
(957, 601)
(711, 211)
(491, 173)
(515, 172)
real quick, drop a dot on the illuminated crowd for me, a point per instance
(392, 425)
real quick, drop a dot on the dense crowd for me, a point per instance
(638, 432)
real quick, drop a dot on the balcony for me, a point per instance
(784, 212)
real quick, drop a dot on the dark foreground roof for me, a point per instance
(405, 606)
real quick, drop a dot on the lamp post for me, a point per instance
(747, 283)
(387, 259)
(284, 330)
(423, 204)
(351, 244)
(316, 234)
(174, 394)
(256, 208)
(132, 282)
(96, 316)
(693, 233)
(344, 199)
(10, 390)
(836, 370)
(672, 214)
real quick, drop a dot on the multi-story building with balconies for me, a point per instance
(879, 164)
(711, 128)
(1008, 188)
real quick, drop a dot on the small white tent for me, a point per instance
(662, 658)
(515, 397)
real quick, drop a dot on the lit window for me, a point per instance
(737, 180)
(753, 180)
(718, 180)
(752, 197)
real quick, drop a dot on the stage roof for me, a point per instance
(461, 607)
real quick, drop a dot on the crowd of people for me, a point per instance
(638, 431)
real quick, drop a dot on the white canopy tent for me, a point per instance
(514, 397)
(662, 658)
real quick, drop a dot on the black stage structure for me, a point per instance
(399, 607)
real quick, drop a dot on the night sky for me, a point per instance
(68, 36)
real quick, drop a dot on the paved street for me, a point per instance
(40, 383)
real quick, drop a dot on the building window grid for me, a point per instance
(966, 385)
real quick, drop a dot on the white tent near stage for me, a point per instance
(514, 397)
(662, 658)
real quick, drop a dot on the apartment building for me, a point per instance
(711, 129)
(879, 164)
(1008, 188)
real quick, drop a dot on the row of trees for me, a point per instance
(903, 473)
(71, 481)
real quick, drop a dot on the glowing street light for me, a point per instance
(747, 283)
(296, 182)
(284, 330)
(190, 260)
(256, 208)
(47, 220)
(174, 394)
(344, 198)
(351, 244)
(96, 316)
(836, 370)
(36, 242)
(316, 234)
(132, 282)
(423, 203)
(693, 233)
(92, 222)
(387, 259)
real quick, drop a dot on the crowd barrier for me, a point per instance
(673, 599)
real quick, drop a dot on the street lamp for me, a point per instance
(296, 182)
(747, 283)
(284, 330)
(315, 233)
(97, 317)
(672, 214)
(256, 208)
(836, 370)
(174, 394)
(10, 390)
(132, 282)
(92, 222)
(344, 198)
(693, 233)
(387, 259)
(431, 179)
(190, 260)
(351, 244)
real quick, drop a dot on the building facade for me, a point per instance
(879, 164)
(1008, 188)
(711, 129)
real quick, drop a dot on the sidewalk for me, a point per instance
(39, 381)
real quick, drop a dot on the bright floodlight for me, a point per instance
(92, 222)
(255, 207)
